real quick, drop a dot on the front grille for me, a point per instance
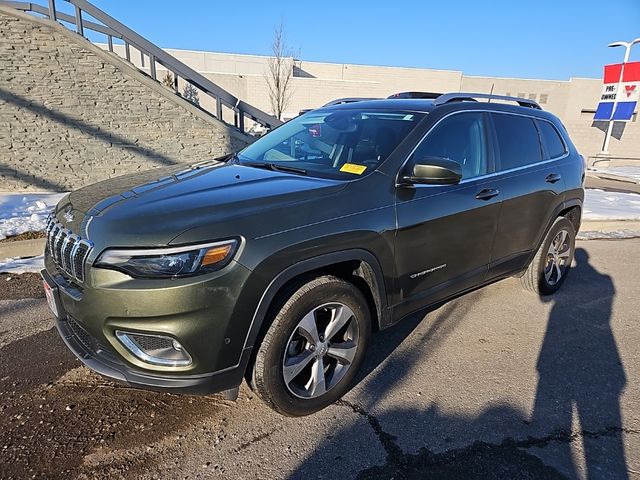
(68, 250)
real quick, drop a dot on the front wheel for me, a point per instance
(313, 348)
(551, 265)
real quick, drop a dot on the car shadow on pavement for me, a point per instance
(577, 403)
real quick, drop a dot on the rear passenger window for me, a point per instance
(551, 139)
(461, 138)
(517, 140)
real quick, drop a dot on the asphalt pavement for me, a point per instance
(496, 384)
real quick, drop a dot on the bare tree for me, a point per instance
(279, 73)
(168, 80)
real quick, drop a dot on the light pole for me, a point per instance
(627, 53)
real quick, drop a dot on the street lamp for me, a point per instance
(627, 53)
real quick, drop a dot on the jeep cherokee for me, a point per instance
(277, 263)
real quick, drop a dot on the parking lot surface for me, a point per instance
(496, 384)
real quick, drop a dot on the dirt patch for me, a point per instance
(54, 413)
(24, 285)
(24, 236)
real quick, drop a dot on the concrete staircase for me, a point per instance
(72, 113)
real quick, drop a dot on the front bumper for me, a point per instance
(89, 316)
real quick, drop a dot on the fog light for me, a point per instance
(155, 349)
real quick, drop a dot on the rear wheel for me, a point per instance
(313, 348)
(551, 265)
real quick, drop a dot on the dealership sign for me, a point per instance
(620, 92)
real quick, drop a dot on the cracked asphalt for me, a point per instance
(496, 384)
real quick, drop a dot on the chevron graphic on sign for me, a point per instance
(620, 92)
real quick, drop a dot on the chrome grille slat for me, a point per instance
(68, 251)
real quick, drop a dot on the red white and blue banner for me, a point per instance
(621, 89)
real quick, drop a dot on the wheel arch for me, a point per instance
(571, 209)
(355, 265)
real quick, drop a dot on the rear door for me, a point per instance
(445, 232)
(531, 184)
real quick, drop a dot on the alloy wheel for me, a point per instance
(320, 350)
(557, 258)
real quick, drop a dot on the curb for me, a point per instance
(22, 248)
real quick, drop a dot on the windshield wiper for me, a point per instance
(275, 167)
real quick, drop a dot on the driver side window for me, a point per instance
(462, 137)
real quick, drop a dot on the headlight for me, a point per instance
(169, 262)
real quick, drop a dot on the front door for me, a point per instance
(445, 232)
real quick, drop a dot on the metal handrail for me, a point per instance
(594, 159)
(112, 28)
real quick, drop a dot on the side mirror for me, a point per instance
(434, 171)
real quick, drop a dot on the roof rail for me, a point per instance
(462, 96)
(427, 95)
(340, 101)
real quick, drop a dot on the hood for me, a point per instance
(151, 208)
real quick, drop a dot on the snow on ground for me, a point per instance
(608, 235)
(25, 212)
(22, 265)
(601, 205)
(631, 172)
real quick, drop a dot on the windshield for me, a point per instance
(342, 144)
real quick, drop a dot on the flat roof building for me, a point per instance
(315, 83)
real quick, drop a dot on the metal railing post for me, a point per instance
(127, 52)
(241, 120)
(141, 58)
(110, 42)
(52, 10)
(219, 108)
(79, 28)
(152, 65)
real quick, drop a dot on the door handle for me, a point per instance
(487, 193)
(553, 177)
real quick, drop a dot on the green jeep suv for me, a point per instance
(276, 264)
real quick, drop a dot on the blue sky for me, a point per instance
(551, 39)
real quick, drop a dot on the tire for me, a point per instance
(287, 346)
(542, 277)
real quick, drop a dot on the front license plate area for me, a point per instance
(53, 298)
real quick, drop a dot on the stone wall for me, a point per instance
(72, 114)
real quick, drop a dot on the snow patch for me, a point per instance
(601, 205)
(612, 234)
(22, 265)
(25, 212)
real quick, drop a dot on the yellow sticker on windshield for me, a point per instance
(353, 168)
